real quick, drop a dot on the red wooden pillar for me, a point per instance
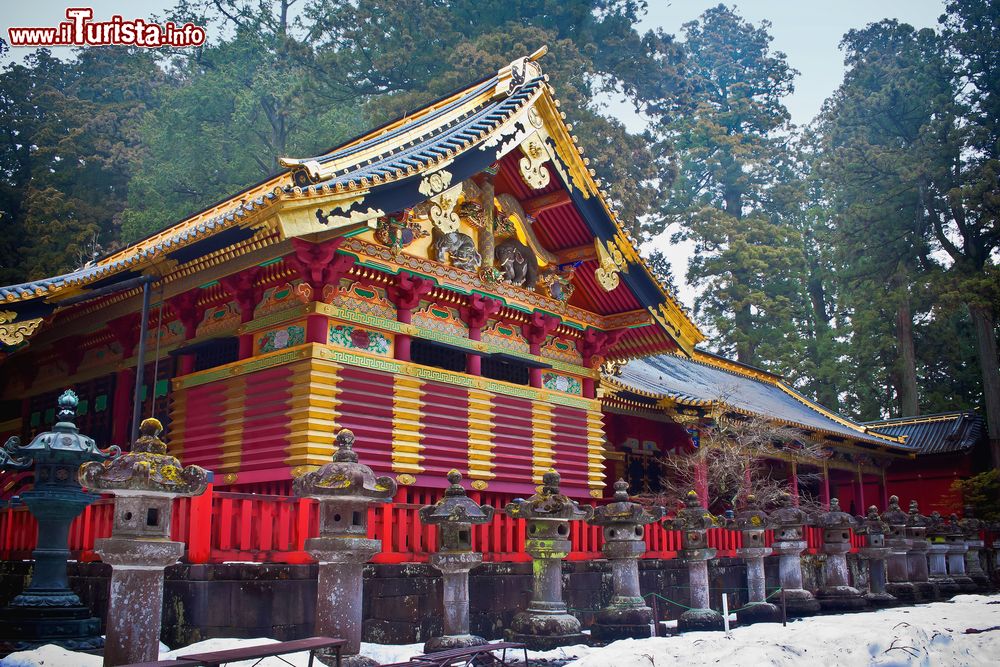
(824, 489)
(406, 293)
(317, 329)
(701, 482)
(476, 314)
(121, 405)
(884, 487)
(244, 289)
(859, 492)
(536, 331)
(589, 388)
(793, 483)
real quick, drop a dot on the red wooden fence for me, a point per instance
(220, 527)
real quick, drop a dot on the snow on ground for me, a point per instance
(924, 635)
(929, 634)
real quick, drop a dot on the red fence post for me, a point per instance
(200, 521)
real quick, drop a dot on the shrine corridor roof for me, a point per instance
(936, 434)
(709, 380)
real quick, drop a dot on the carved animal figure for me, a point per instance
(518, 264)
(459, 249)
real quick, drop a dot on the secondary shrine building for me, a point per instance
(448, 286)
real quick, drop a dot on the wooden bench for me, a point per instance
(166, 663)
(479, 656)
(278, 649)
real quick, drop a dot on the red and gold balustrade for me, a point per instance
(223, 526)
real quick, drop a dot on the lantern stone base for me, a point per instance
(330, 660)
(904, 591)
(881, 600)
(448, 642)
(800, 602)
(841, 598)
(694, 620)
(620, 622)
(23, 628)
(982, 581)
(542, 631)
(945, 586)
(965, 584)
(926, 591)
(759, 612)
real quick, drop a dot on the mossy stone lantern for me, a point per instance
(937, 556)
(972, 528)
(546, 623)
(957, 548)
(788, 523)
(344, 489)
(145, 482)
(752, 521)
(693, 521)
(48, 612)
(872, 531)
(454, 515)
(623, 523)
(899, 543)
(836, 593)
(916, 557)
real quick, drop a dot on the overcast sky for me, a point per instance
(807, 31)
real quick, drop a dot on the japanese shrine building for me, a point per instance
(449, 286)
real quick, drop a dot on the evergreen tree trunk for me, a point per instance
(986, 344)
(906, 356)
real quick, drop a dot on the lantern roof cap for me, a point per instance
(455, 506)
(344, 478)
(549, 503)
(622, 510)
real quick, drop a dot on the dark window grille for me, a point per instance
(429, 353)
(505, 370)
(219, 353)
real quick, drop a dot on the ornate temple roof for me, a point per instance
(397, 166)
(708, 380)
(935, 434)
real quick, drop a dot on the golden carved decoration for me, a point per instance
(441, 211)
(517, 72)
(480, 484)
(7, 316)
(531, 165)
(596, 493)
(436, 182)
(15, 333)
(230, 478)
(535, 118)
(406, 479)
(607, 272)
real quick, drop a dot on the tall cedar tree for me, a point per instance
(730, 141)
(875, 143)
(70, 146)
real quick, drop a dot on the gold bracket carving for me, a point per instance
(532, 166)
(15, 333)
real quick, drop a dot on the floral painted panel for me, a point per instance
(356, 338)
(279, 339)
(563, 383)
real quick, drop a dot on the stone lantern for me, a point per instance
(972, 528)
(899, 546)
(694, 521)
(454, 515)
(916, 557)
(937, 556)
(622, 522)
(789, 543)
(752, 521)
(955, 539)
(144, 482)
(48, 612)
(872, 531)
(546, 623)
(836, 593)
(344, 489)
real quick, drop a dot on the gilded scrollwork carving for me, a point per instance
(532, 165)
(15, 333)
(435, 182)
(398, 234)
(607, 273)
